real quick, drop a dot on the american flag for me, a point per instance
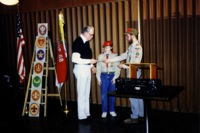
(20, 59)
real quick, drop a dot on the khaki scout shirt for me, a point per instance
(112, 66)
(132, 55)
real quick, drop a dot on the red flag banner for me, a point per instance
(20, 59)
(61, 63)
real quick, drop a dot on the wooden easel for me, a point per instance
(44, 91)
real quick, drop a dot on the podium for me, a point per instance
(151, 66)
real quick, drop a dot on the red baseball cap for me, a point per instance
(108, 43)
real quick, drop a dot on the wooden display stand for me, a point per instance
(44, 92)
(151, 66)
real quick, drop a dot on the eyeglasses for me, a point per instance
(90, 34)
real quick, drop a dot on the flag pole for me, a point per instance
(139, 19)
(66, 109)
(61, 32)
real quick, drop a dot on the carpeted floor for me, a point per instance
(57, 121)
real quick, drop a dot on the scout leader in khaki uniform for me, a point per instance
(106, 74)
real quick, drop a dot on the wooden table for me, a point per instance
(166, 93)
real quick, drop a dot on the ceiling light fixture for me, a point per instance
(9, 2)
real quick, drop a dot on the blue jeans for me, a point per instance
(107, 86)
(137, 105)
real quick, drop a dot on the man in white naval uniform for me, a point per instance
(132, 55)
(106, 74)
(83, 63)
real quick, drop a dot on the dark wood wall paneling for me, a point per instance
(169, 35)
(38, 5)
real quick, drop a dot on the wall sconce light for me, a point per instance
(9, 2)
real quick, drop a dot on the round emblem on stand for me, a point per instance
(41, 41)
(38, 68)
(42, 29)
(40, 54)
(35, 95)
(36, 81)
(34, 109)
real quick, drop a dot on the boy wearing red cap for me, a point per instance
(132, 55)
(106, 73)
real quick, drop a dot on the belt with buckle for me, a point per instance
(107, 72)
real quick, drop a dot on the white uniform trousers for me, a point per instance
(83, 76)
